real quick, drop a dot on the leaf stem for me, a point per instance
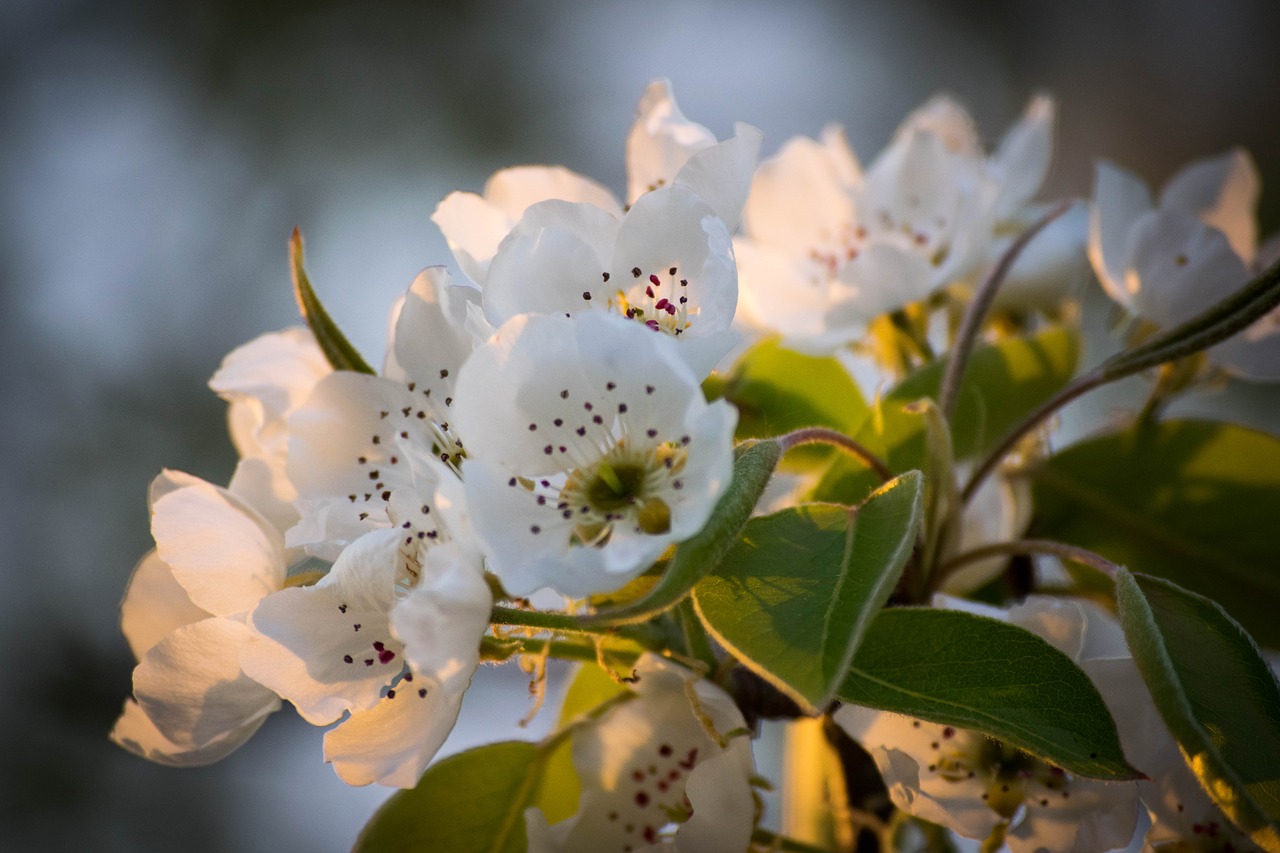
(1023, 547)
(822, 435)
(1233, 314)
(567, 623)
(977, 311)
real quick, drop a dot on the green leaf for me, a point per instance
(1216, 694)
(337, 349)
(1191, 501)
(1004, 381)
(794, 597)
(958, 669)
(771, 402)
(472, 802)
(699, 555)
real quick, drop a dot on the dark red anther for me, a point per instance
(654, 279)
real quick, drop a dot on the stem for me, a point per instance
(1026, 547)
(822, 435)
(566, 649)
(1082, 385)
(980, 306)
(781, 842)
(565, 623)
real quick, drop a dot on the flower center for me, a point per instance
(625, 485)
(663, 307)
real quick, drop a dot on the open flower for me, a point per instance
(663, 148)
(184, 616)
(1169, 262)
(667, 264)
(331, 648)
(669, 769)
(827, 249)
(972, 784)
(590, 449)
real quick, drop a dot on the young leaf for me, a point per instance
(700, 555)
(1216, 694)
(1190, 501)
(337, 349)
(771, 402)
(472, 802)
(1003, 382)
(958, 669)
(794, 597)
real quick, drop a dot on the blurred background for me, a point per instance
(155, 154)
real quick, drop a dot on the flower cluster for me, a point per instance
(560, 421)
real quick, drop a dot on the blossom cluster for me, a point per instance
(544, 424)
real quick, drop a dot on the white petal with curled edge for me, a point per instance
(1179, 267)
(392, 742)
(328, 648)
(774, 295)
(225, 555)
(1119, 198)
(263, 381)
(552, 261)
(800, 198)
(721, 174)
(1022, 160)
(191, 687)
(723, 806)
(154, 605)
(514, 190)
(1221, 192)
(442, 619)
(947, 120)
(429, 339)
(473, 228)
(135, 732)
(883, 278)
(661, 141)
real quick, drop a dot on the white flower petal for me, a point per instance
(554, 260)
(135, 732)
(191, 687)
(154, 605)
(944, 117)
(441, 620)
(1179, 267)
(800, 199)
(328, 648)
(1119, 198)
(721, 174)
(1222, 192)
(392, 742)
(514, 190)
(225, 555)
(261, 483)
(1022, 160)
(1254, 353)
(660, 142)
(263, 381)
(429, 338)
(473, 228)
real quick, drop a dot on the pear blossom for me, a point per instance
(971, 784)
(669, 769)
(1170, 261)
(360, 446)
(828, 248)
(667, 264)
(591, 449)
(184, 618)
(663, 148)
(331, 648)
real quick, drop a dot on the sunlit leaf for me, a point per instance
(958, 669)
(795, 595)
(1216, 694)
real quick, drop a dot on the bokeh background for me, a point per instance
(154, 155)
